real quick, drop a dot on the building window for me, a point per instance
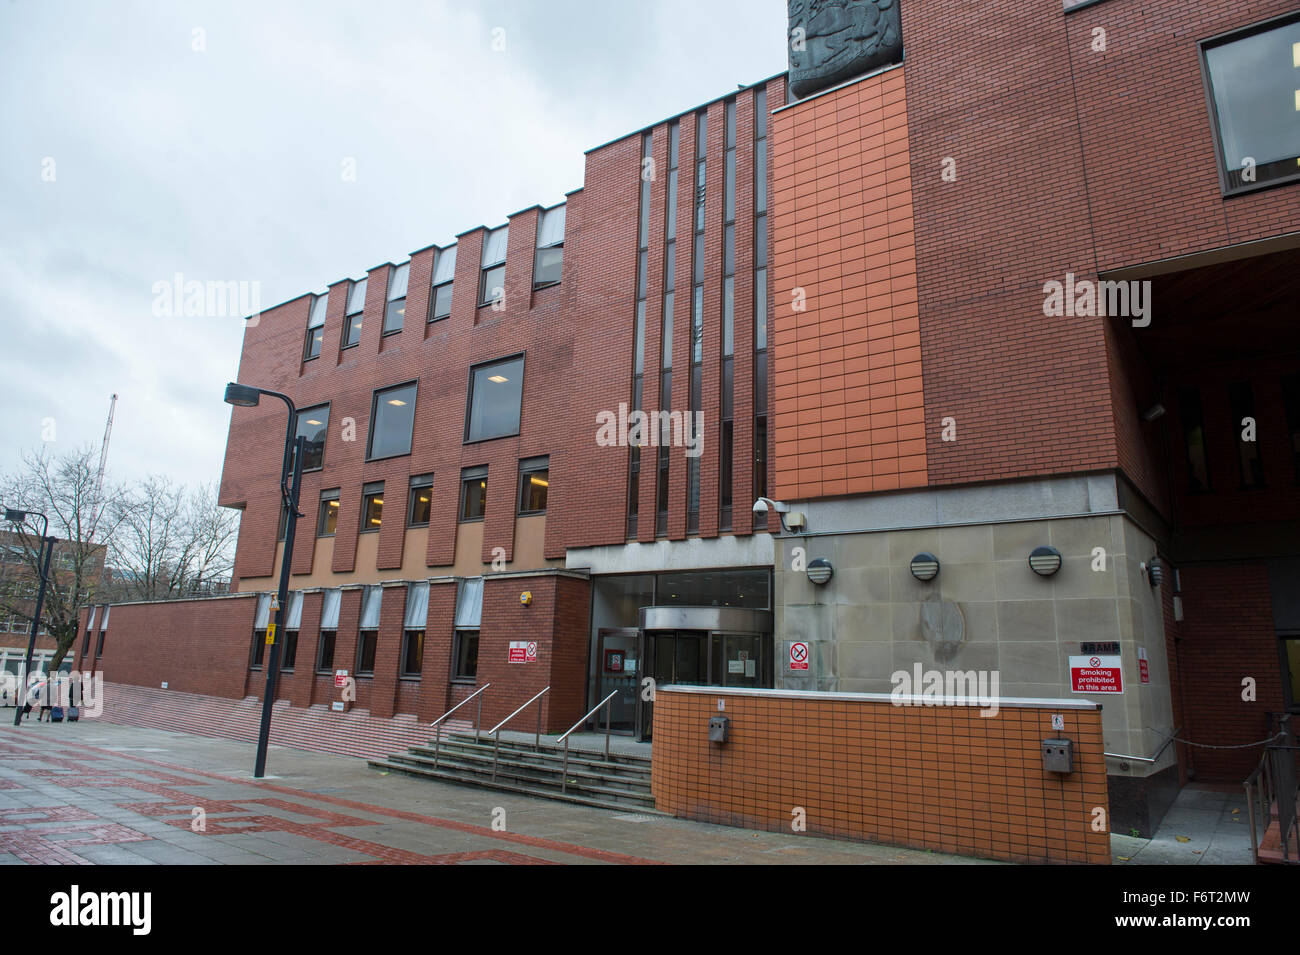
(1194, 437)
(1291, 402)
(495, 392)
(315, 329)
(466, 667)
(1245, 427)
(395, 309)
(356, 306)
(534, 481)
(492, 287)
(372, 506)
(327, 521)
(421, 502)
(367, 642)
(444, 274)
(290, 649)
(325, 656)
(392, 415)
(261, 622)
(284, 521)
(99, 646)
(549, 261)
(368, 627)
(1255, 92)
(412, 652)
(473, 494)
(313, 424)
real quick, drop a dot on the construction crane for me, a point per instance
(103, 464)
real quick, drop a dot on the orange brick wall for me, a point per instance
(929, 777)
(847, 374)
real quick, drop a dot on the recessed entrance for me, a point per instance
(700, 646)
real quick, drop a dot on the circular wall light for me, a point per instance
(1044, 561)
(925, 566)
(820, 571)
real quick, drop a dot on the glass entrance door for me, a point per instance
(669, 656)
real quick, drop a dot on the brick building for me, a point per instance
(19, 582)
(880, 302)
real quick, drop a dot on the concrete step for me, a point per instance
(505, 784)
(467, 739)
(544, 759)
(531, 772)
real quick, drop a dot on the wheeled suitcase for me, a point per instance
(56, 714)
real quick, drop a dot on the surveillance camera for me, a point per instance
(760, 506)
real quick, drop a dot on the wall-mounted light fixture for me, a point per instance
(925, 566)
(1044, 560)
(1155, 571)
(820, 571)
(1157, 410)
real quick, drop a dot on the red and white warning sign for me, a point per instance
(1144, 668)
(798, 655)
(522, 651)
(1096, 674)
(340, 678)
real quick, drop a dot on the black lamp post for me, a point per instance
(247, 396)
(43, 560)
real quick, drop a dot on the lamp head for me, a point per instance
(242, 396)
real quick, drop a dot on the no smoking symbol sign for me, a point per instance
(1094, 661)
(798, 656)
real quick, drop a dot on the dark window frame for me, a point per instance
(527, 468)
(367, 638)
(322, 665)
(332, 494)
(375, 397)
(469, 397)
(433, 301)
(349, 316)
(289, 656)
(300, 416)
(369, 490)
(419, 483)
(458, 654)
(257, 653)
(404, 671)
(484, 300)
(307, 343)
(468, 475)
(1225, 39)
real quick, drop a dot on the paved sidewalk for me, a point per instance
(1207, 825)
(100, 793)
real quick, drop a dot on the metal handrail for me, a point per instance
(564, 778)
(478, 721)
(496, 730)
(1148, 759)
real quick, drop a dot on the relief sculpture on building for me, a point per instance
(835, 40)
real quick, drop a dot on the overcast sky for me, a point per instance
(143, 139)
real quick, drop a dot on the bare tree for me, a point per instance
(169, 541)
(63, 488)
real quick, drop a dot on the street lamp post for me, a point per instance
(247, 396)
(43, 560)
